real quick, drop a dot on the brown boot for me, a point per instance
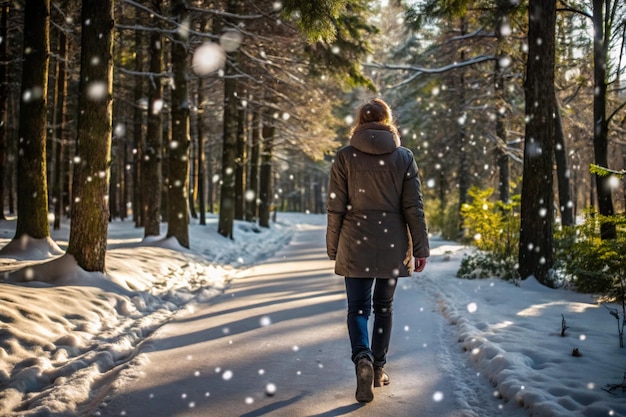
(364, 380)
(380, 377)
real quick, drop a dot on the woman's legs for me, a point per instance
(383, 319)
(359, 295)
(360, 300)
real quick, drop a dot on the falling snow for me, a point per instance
(208, 58)
(501, 339)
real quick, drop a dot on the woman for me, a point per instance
(376, 233)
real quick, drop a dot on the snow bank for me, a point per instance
(512, 337)
(65, 334)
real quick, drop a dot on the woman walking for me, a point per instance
(376, 233)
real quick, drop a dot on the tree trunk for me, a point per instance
(562, 170)
(153, 152)
(138, 90)
(253, 183)
(229, 155)
(32, 190)
(193, 186)
(114, 178)
(229, 149)
(600, 131)
(4, 101)
(537, 211)
(59, 121)
(200, 135)
(464, 174)
(502, 157)
(165, 169)
(90, 215)
(265, 186)
(178, 209)
(124, 186)
(240, 177)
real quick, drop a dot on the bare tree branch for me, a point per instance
(567, 8)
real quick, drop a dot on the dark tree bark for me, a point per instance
(178, 209)
(114, 179)
(253, 183)
(537, 211)
(464, 166)
(90, 211)
(193, 186)
(229, 149)
(265, 186)
(59, 121)
(241, 160)
(229, 156)
(153, 153)
(200, 157)
(202, 163)
(32, 190)
(124, 178)
(210, 169)
(502, 156)
(601, 125)
(566, 205)
(138, 142)
(4, 99)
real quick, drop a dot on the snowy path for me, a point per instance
(281, 326)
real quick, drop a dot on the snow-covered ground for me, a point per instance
(66, 334)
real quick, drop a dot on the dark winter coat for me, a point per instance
(374, 193)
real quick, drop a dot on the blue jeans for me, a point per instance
(360, 302)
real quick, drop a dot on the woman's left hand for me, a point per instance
(420, 263)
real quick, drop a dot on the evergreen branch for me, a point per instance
(604, 172)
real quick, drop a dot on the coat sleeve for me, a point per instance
(336, 205)
(413, 210)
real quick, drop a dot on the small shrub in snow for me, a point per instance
(487, 265)
(493, 228)
(596, 265)
(593, 265)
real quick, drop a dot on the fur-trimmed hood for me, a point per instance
(375, 138)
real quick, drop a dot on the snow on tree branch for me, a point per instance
(421, 70)
(445, 68)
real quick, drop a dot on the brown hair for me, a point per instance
(376, 111)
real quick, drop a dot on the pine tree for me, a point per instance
(178, 204)
(90, 208)
(153, 153)
(32, 197)
(536, 252)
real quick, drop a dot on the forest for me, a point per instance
(164, 110)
